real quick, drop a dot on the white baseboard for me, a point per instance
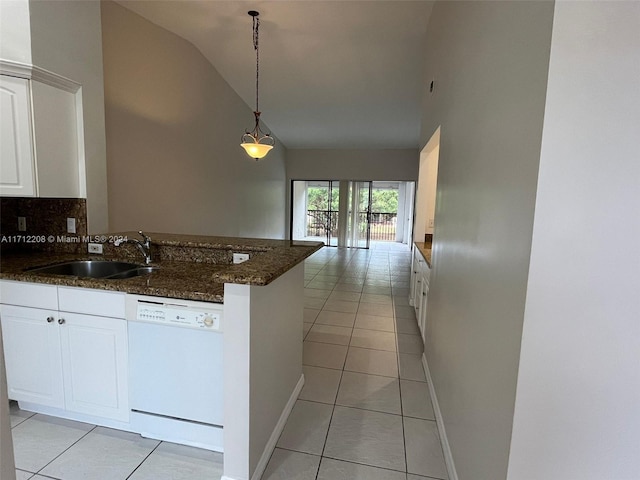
(448, 457)
(271, 444)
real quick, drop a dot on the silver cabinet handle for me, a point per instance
(60, 321)
(50, 319)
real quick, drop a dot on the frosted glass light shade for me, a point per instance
(256, 150)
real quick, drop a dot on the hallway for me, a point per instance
(364, 412)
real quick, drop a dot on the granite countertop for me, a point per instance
(425, 250)
(190, 273)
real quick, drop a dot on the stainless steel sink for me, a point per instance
(95, 269)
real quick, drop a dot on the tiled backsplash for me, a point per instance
(46, 220)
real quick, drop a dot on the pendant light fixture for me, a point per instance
(257, 143)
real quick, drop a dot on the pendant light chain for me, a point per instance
(256, 26)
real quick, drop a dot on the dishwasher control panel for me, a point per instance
(179, 316)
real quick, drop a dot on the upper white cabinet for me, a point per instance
(16, 145)
(40, 142)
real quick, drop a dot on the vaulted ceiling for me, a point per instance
(333, 74)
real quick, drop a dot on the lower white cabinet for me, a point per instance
(419, 290)
(94, 365)
(72, 361)
(32, 355)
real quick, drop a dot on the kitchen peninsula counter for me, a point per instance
(190, 267)
(425, 250)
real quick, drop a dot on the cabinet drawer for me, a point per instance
(92, 302)
(26, 294)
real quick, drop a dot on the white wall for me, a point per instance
(577, 412)
(319, 164)
(173, 140)
(15, 31)
(490, 63)
(66, 39)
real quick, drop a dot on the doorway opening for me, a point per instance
(349, 213)
(426, 196)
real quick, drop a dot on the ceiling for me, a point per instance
(333, 74)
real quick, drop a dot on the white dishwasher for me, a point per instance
(176, 370)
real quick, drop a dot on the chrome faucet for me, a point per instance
(144, 247)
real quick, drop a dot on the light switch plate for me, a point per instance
(22, 224)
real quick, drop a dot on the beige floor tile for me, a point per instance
(331, 469)
(373, 362)
(404, 312)
(424, 450)
(17, 416)
(306, 428)
(377, 289)
(376, 309)
(410, 344)
(288, 465)
(22, 475)
(374, 322)
(339, 319)
(305, 329)
(40, 439)
(316, 293)
(374, 339)
(416, 401)
(345, 296)
(178, 462)
(310, 314)
(324, 355)
(411, 367)
(376, 298)
(103, 453)
(315, 303)
(341, 306)
(407, 325)
(320, 384)
(370, 392)
(329, 334)
(362, 436)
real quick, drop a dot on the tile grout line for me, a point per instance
(66, 449)
(144, 460)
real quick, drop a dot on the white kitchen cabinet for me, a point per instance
(94, 365)
(77, 362)
(32, 355)
(424, 295)
(419, 291)
(17, 169)
(40, 140)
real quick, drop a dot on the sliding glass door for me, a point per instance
(336, 212)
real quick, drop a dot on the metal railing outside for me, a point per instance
(382, 224)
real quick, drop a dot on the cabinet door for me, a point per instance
(16, 146)
(32, 355)
(95, 359)
(422, 319)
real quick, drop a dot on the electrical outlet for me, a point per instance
(71, 225)
(431, 223)
(22, 224)
(240, 257)
(95, 248)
